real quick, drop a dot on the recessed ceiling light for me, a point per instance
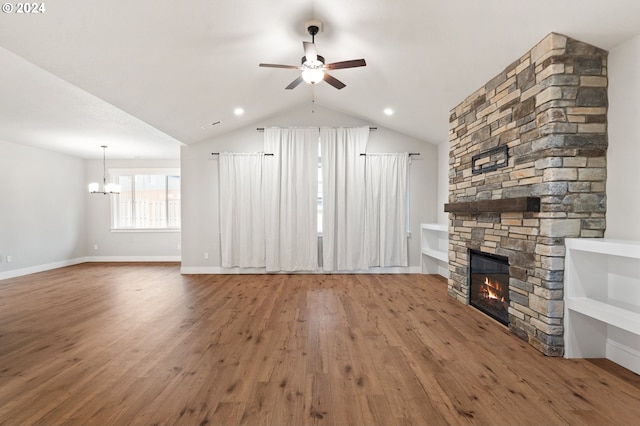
(238, 111)
(388, 111)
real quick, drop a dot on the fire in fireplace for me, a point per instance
(489, 284)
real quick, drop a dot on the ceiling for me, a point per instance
(144, 77)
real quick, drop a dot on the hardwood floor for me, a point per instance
(141, 344)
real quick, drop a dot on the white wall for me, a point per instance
(200, 230)
(48, 218)
(42, 198)
(129, 245)
(623, 155)
(443, 181)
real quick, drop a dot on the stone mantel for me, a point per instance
(504, 205)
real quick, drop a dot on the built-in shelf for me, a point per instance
(436, 254)
(434, 246)
(619, 314)
(608, 246)
(602, 300)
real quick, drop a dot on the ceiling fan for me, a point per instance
(312, 65)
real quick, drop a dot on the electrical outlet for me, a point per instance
(206, 255)
(179, 246)
(9, 258)
(95, 247)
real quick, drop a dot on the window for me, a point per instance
(148, 199)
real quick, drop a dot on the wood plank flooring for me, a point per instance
(141, 344)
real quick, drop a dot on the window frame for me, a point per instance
(114, 176)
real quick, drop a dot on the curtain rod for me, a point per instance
(411, 154)
(217, 153)
(261, 129)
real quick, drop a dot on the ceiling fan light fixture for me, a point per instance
(313, 75)
(313, 65)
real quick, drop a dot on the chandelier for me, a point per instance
(107, 188)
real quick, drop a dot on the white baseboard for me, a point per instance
(195, 270)
(625, 356)
(55, 265)
(216, 270)
(133, 259)
(41, 268)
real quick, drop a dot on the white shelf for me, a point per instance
(619, 314)
(624, 248)
(434, 243)
(435, 227)
(436, 254)
(602, 300)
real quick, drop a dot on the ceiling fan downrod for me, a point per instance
(313, 30)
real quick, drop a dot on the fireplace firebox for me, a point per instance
(489, 284)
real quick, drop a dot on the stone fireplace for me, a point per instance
(527, 168)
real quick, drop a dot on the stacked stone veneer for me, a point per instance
(550, 109)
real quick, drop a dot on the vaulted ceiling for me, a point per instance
(144, 77)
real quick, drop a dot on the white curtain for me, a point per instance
(291, 199)
(343, 202)
(386, 209)
(241, 210)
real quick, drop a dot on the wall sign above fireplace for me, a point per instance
(490, 160)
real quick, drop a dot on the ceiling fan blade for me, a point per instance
(333, 81)
(310, 51)
(295, 83)
(346, 64)
(291, 67)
